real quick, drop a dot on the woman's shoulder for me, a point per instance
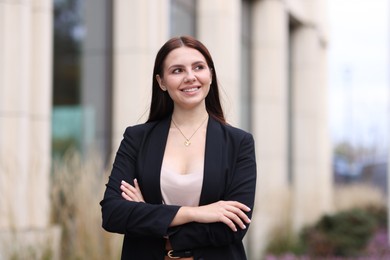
(139, 130)
(141, 126)
(235, 131)
(233, 135)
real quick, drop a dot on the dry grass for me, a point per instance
(22, 235)
(77, 188)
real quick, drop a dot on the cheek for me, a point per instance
(172, 82)
(207, 80)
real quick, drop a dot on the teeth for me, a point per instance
(190, 89)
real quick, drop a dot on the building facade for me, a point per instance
(78, 72)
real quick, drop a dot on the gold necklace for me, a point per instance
(187, 142)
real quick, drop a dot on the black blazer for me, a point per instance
(229, 174)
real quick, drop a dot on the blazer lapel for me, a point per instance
(213, 163)
(152, 161)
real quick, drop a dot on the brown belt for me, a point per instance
(174, 254)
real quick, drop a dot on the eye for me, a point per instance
(200, 67)
(177, 71)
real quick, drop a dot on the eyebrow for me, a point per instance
(181, 65)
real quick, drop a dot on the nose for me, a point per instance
(190, 77)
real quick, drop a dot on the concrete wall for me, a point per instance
(25, 109)
(141, 27)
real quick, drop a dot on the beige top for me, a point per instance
(181, 189)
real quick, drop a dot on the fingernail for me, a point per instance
(135, 180)
(123, 182)
(243, 227)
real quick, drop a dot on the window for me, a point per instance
(82, 76)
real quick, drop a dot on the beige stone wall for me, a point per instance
(25, 30)
(270, 75)
(135, 48)
(289, 117)
(25, 110)
(219, 24)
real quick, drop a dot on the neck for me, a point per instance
(189, 117)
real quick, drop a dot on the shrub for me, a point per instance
(361, 215)
(343, 234)
(284, 241)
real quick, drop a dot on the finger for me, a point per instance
(236, 219)
(127, 185)
(229, 223)
(126, 189)
(239, 213)
(239, 208)
(239, 205)
(126, 197)
(130, 192)
(136, 193)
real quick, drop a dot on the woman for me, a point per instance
(182, 184)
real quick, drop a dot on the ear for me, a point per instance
(160, 82)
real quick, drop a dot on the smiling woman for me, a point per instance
(194, 201)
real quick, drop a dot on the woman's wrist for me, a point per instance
(184, 215)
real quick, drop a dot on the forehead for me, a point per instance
(184, 55)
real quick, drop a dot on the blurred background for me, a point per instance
(308, 78)
(359, 87)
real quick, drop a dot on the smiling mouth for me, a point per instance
(191, 89)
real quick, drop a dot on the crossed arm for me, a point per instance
(231, 213)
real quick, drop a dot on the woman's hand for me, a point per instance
(231, 213)
(132, 193)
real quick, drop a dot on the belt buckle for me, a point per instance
(170, 255)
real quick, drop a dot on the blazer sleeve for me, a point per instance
(126, 217)
(241, 187)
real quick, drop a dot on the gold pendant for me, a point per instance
(187, 143)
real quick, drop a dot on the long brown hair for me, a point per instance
(161, 104)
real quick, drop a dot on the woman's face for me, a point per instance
(187, 77)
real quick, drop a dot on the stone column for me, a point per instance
(40, 109)
(25, 109)
(312, 180)
(270, 77)
(141, 27)
(15, 114)
(218, 27)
